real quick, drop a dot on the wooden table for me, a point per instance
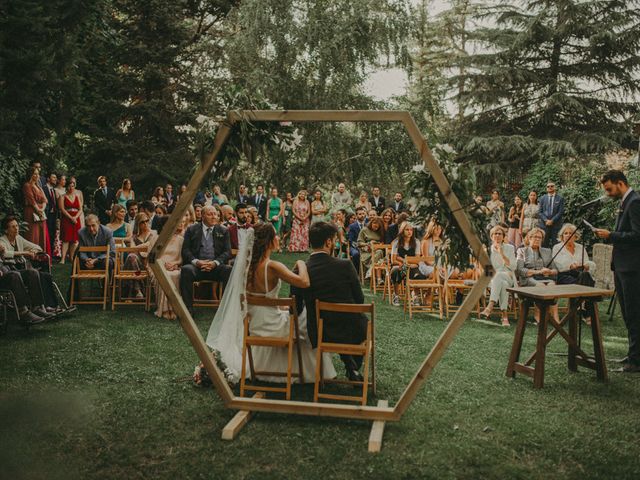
(544, 297)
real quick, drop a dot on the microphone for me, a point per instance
(601, 198)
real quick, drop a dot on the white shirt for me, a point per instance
(624, 197)
(242, 236)
(565, 258)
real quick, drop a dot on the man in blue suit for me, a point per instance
(352, 236)
(551, 210)
(625, 260)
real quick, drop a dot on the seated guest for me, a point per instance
(569, 259)
(11, 280)
(238, 230)
(161, 210)
(228, 215)
(117, 225)
(406, 245)
(352, 236)
(95, 235)
(150, 209)
(503, 260)
(172, 260)
(387, 221)
(337, 220)
(371, 213)
(132, 211)
(197, 212)
(393, 228)
(430, 242)
(205, 252)
(158, 197)
(253, 217)
(535, 266)
(16, 252)
(143, 238)
(368, 236)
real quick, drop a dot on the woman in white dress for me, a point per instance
(255, 273)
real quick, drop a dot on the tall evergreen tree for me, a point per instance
(550, 79)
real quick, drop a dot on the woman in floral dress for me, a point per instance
(299, 241)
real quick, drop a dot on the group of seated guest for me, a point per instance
(33, 289)
(534, 265)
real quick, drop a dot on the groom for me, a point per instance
(333, 280)
(205, 252)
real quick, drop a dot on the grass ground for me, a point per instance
(103, 395)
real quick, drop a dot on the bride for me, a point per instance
(256, 274)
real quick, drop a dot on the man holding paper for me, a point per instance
(625, 261)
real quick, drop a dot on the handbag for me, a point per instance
(37, 218)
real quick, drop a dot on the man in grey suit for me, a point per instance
(625, 260)
(95, 235)
(205, 252)
(551, 211)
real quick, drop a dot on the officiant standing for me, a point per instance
(205, 252)
(625, 261)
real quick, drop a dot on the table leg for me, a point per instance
(598, 348)
(573, 333)
(517, 339)
(541, 344)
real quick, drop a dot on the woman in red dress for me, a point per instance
(35, 202)
(70, 205)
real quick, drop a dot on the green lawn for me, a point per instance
(103, 395)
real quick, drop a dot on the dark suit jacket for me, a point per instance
(399, 208)
(352, 234)
(103, 237)
(244, 199)
(626, 236)
(556, 214)
(52, 206)
(381, 204)
(333, 280)
(261, 206)
(102, 202)
(193, 240)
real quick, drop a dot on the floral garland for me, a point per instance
(428, 203)
(201, 377)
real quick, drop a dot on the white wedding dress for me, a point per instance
(226, 331)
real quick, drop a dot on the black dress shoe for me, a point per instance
(354, 375)
(31, 318)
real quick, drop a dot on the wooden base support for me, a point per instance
(377, 430)
(239, 420)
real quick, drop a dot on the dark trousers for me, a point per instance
(628, 292)
(12, 281)
(51, 226)
(355, 258)
(551, 235)
(190, 273)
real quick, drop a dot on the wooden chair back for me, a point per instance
(79, 274)
(122, 274)
(428, 291)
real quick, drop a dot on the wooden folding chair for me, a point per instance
(209, 298)
(366, 349)
(429, 290)
(380, 269)
(79, 274)
(454, 285)
(288, 342)
(122, 275)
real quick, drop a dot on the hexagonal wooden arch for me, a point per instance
(208, 162)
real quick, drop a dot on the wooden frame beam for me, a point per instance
(209, 163)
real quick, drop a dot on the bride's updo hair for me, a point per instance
(263, 236)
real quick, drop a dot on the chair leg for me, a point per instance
(289, 362)
(113, 294)
(243, 370)
(365, 372)
(73, 284)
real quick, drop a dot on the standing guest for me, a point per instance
(352, 236)
(514, 236)
(125, 193)
(132, 211)
(275, 209)
(341, 199)
(143, 238)
(172, 260)
(220, 197)
(205, 252)
(208, 199)
(70, 206)
(387, 221)
(42, 180)
(551, 211)
(169, 197)
(243, 195)
(406, 245)
(377, 201)
(530, 214)
(363, 201)
(51, 210)
(626, 259)
(397, 204)
(238, 230)
(368, 236)
(228, 215)
(35, 206)
(288, 218)
(117, 225)
(300, 226)
(503, 260)
(61, 185)
(197, 211)
(318, 208)
(158, 196)
(103, 199)
(181, 190)
(60, 190)
(496, 210)
(572, 259)
(260, 202)
(95, 235)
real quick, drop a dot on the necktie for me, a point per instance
(104, 191)
(551, 205)
(208, 233)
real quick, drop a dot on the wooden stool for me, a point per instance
(544, 297)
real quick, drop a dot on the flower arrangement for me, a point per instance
(201, 377)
